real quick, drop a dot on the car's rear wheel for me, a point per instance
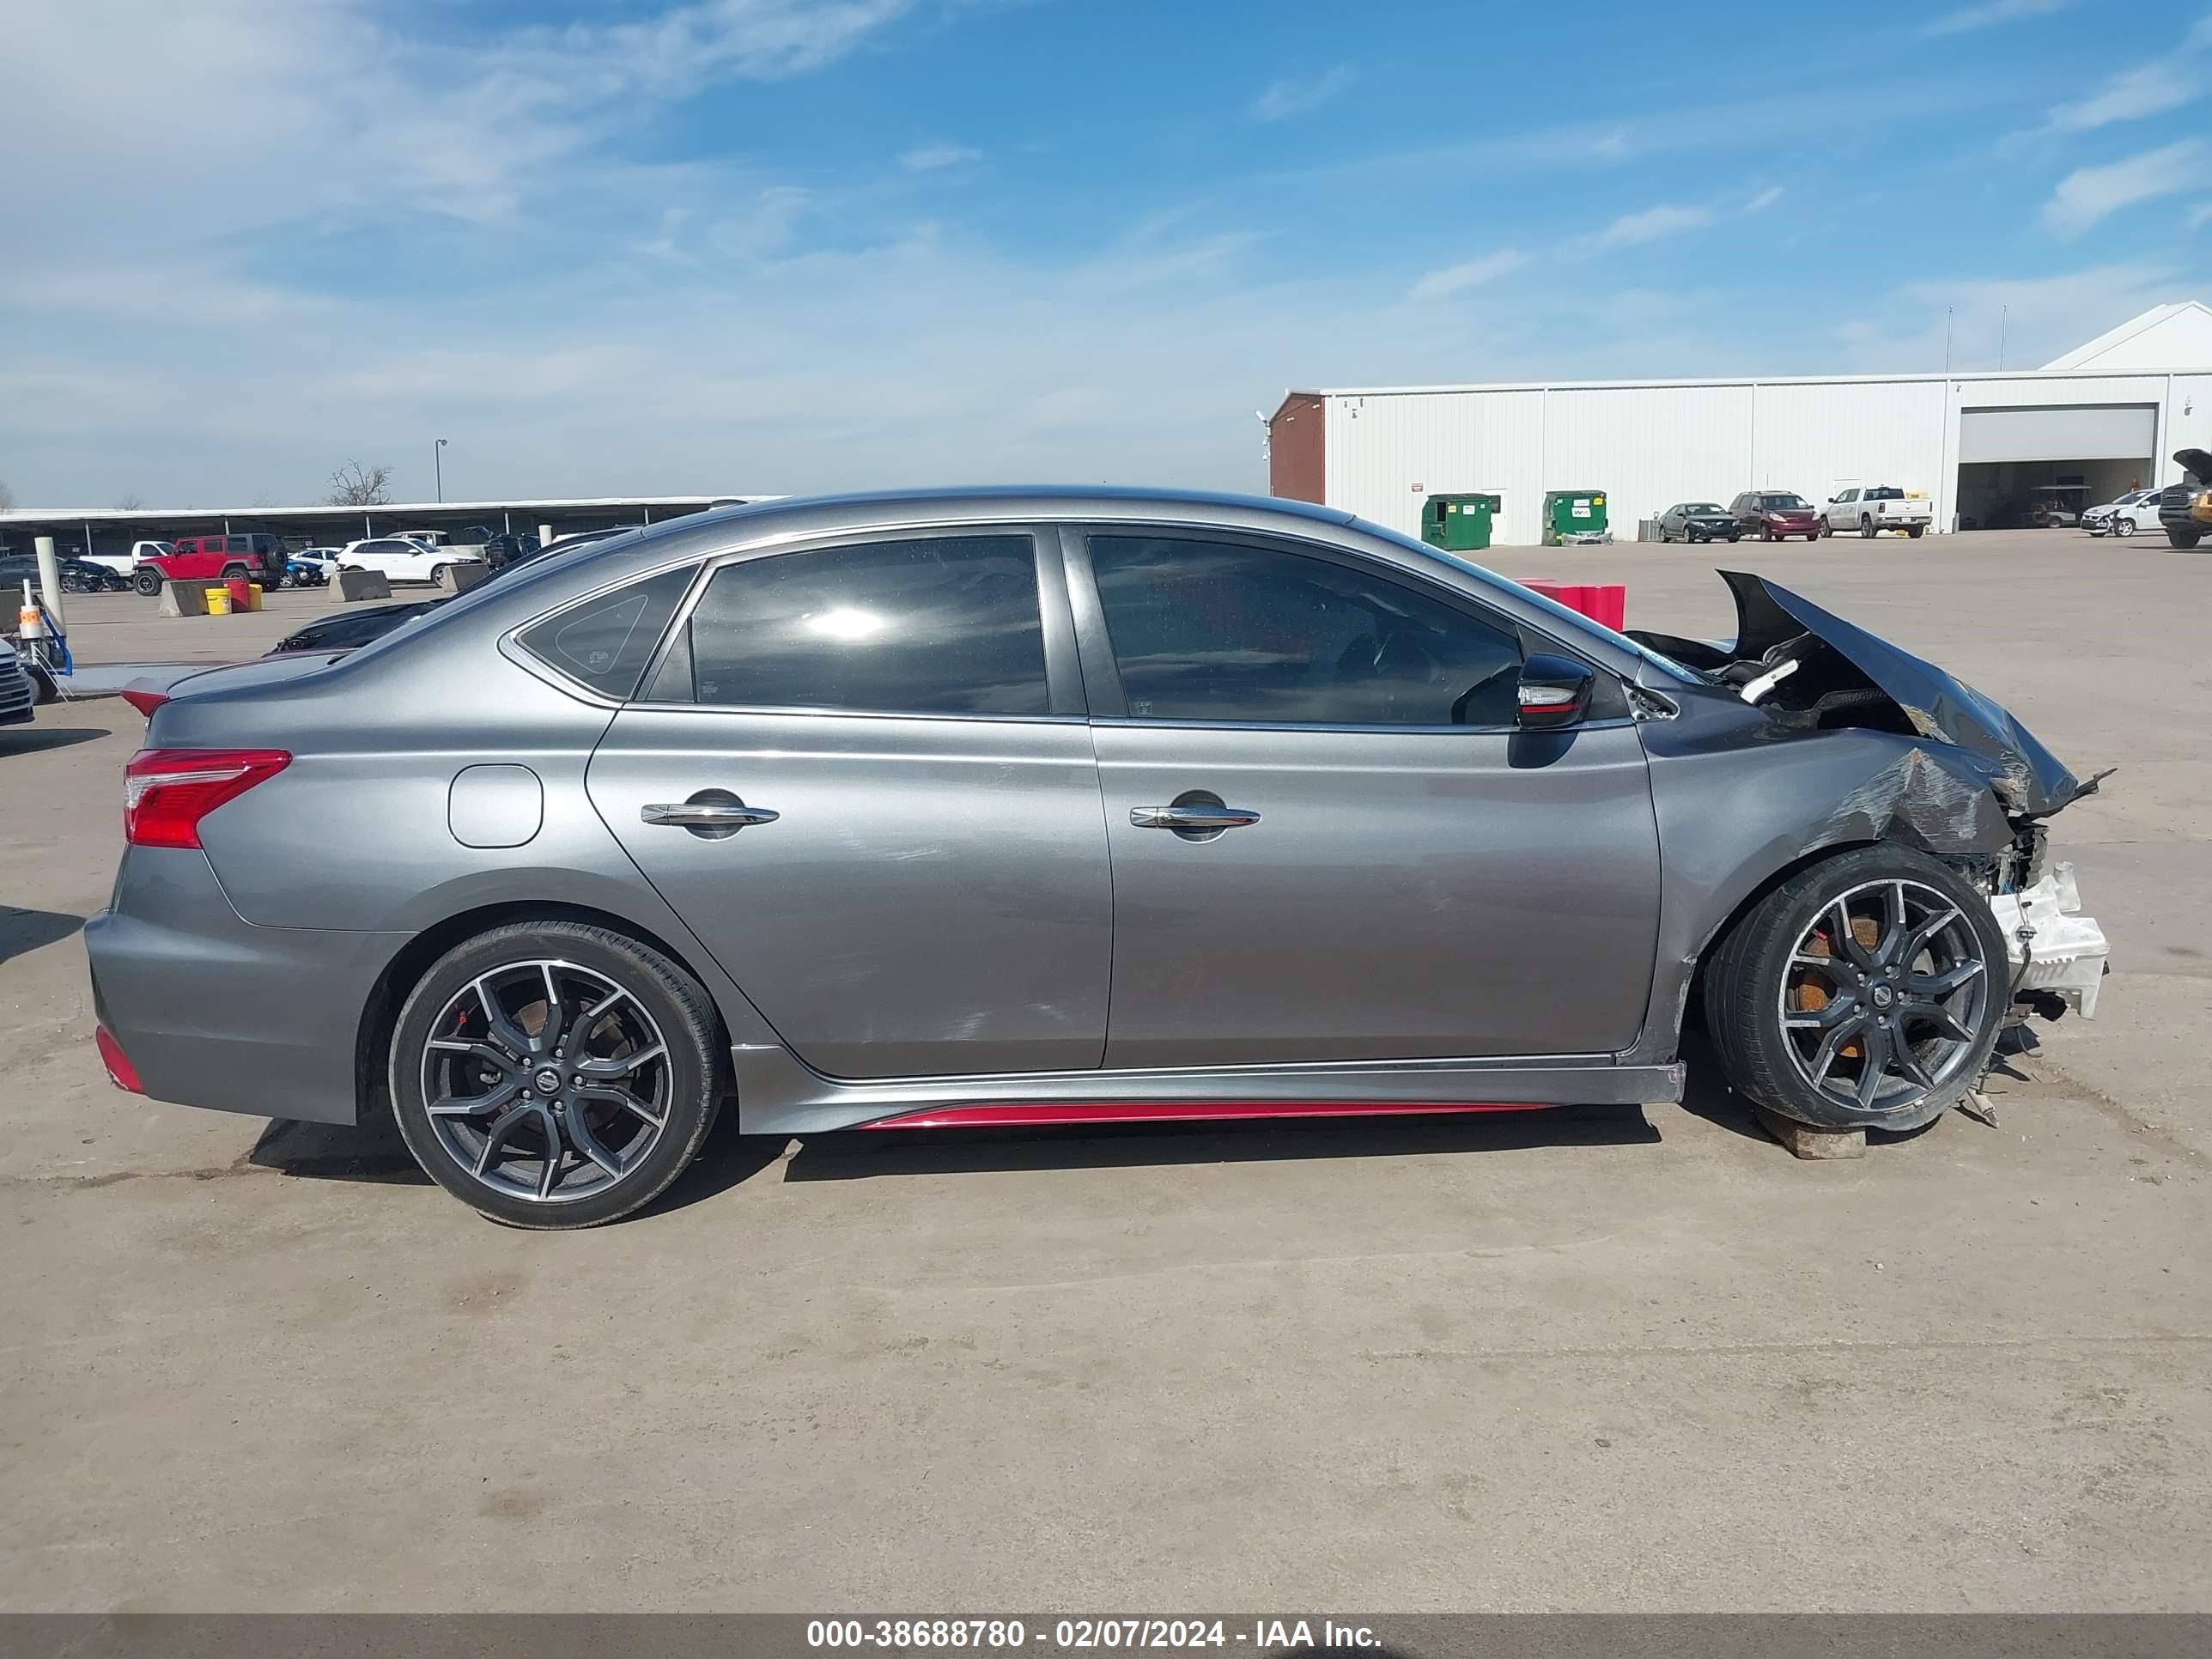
(1866, 526)
(554, 1075)
(1915, 530)
(2185, 538)
(1866, 991)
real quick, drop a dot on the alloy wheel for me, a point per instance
(546, 1081)
(1883, 995)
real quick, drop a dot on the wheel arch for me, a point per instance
(381, 1012)
(1896, 834)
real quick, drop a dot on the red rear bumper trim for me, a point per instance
(1001, 1116)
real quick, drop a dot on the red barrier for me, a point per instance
(241, 595)
(1602, 602)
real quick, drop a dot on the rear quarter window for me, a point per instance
(604, 643)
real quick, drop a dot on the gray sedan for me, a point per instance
(1019, 807)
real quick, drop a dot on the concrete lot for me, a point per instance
(1583, 1359)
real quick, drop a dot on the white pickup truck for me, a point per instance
(1874, 508)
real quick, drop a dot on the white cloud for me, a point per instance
(2200, 215)
(928, 158)
(1457, 279)
(2148, 89)
(1988, 16)
(2087, 195)
(2030, 320)
(1635, 229)
(1286, 98)
(1765, 199)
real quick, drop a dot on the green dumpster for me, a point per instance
(1459, 523)
(1574, 515)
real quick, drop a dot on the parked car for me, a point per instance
(256, 557)
(350, 628)
(91, 576)
(798, 807)
(2097, 520)
(126, 565)
(1697, 521)
(1873, 508)
(402, 559)
(2184, 510)
(76, 576)
(1774, 515)
(19, 695)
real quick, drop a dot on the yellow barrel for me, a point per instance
(253, 596)
(218, 600)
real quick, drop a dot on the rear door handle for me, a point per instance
(1193, 816)
(707, 814)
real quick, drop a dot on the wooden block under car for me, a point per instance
(1806, 1141)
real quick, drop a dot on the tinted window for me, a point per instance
(1228, 631)
(605, 642)
(940, 626)
(1885, 493)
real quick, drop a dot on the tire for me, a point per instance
(1755, 973)
(2123, 526)
(236, 573)
(660, 1004)
(2185, 538)
(1915, 530)
(147, 581)
(438, 574)
(1866, 527)
(1734, 536)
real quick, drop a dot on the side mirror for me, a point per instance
(1553, 691)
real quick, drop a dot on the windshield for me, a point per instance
(1782, 503)
(1702, 506)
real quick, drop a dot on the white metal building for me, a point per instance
(2106, 416)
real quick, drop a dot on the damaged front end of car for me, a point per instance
(1967, 783)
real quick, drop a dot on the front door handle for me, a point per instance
(718, 811)
(1192, 815)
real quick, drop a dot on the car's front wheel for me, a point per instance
(2123, 526)
(1866, 991)
(554, 1074)
(148, 580)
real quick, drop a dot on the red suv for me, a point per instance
(258, 557)
(1774, 515)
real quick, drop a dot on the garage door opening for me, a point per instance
(2002, 495)
(2013, 461)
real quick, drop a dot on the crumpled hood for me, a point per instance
(2031, 782)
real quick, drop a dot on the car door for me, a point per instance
(863, 778)
(1842, 512)
(1397, 872)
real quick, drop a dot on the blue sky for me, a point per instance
(623, 246)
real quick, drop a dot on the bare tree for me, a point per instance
(7, 497)
(356, 485)
(128, 503)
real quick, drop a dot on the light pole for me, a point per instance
(438, 461)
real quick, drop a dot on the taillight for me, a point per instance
(166, 792)
(120, 1071)
(146, 701)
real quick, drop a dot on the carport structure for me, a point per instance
(86, 531)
